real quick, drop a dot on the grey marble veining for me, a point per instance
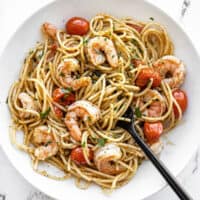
(185, 6)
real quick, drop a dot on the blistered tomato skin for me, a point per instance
(78, 157)
(182, 100)
(153, 131)
(77, 26)
(145, 75)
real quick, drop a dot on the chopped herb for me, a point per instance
(46, 144)
(101, 142)
(85, 41)
(35, 99)
(44, 114)
(113, 56)
(7, 100)
(62, 74)
(83, 144)
(105, 39)
(138, 112)
(134, 41)
(89, 118)
(31, 51)
(40, 55)
(135, 57)
(151, 18)
(66, 90)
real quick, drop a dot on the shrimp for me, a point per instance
(94, 50)
(80, 109)
(172, 67)
(42, 136)
(28, 104)
(65, 69)
(105, 157)
(157, 107)
(50, 30)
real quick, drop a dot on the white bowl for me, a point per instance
(185, 136)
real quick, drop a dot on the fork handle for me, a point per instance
(171, 180)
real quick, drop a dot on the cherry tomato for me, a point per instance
(78, 157)
(58, 111)
(181, 99)
(58, 94)
(77, 26)
(152, 131)
(69, 99)
(136, 27)
(145, 75)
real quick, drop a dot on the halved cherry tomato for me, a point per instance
(60, 96)
(136, 27)
(181, 99)
(152, 131)
(77, 26)
(58, 111)
(69, 99)
(78, 157)
(145, 75)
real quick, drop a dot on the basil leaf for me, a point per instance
(138, 112)
(44, 114)
(101, 142)
(151, 18)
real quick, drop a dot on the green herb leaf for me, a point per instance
(83, 144)
(138, 112)
(62, 74)
(66, 90)
(85, 41)
(49, 142)
(119, 54)
(134, 41)
(44, 114)
(40, 55)
(101, 142)
(151, 18)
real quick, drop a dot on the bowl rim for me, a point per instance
(148, 3)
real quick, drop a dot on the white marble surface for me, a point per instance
(12, 13)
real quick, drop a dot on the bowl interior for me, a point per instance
(184, 137)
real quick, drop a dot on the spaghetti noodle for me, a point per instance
(105, 67)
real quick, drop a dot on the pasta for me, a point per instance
(73, 88)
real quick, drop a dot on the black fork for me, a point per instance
(171, 180)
